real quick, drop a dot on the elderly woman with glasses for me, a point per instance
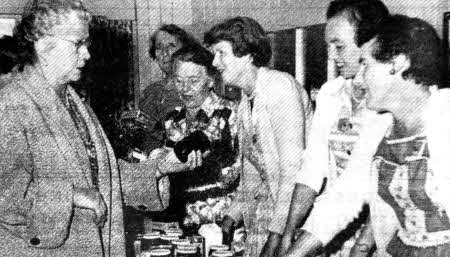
(161, 97)
(60, 190)
(201, 134)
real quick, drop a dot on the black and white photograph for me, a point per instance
(224, 128)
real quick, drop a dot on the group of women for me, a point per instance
(379, 136)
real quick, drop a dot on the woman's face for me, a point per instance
(191, 82)
(342, 48)
(381, 91)
(64, 51)
(231, 67)
(165, 45)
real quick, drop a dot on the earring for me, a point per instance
(392, 71)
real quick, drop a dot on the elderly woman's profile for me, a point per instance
(60, 191)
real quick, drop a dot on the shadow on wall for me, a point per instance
(107, 81)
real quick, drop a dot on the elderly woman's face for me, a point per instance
(65, 49)
(191, 82)
(165, 45)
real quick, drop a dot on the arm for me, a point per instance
(308, 245)
(302, 200)
(289, 115)
(365, 242)
(144, 184)
(289, 122)
(345, 199)
(315, 166)
(234, 212)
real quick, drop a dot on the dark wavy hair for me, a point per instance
(180, 34)
(197, 54)
(418, 41)
(38, 19)
(363, 15)
(246, 36)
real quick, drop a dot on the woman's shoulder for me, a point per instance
(275, 77)
(277, 84)
(11, 91)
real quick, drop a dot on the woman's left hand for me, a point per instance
(171, 164)
(194, 159)
(270, 249)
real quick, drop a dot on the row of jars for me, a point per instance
(172, 243)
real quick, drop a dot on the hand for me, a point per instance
(228, 227)
(360, 250)
(306, 245)
(195, 159)
(171, 164)
(286, 242)
(271, 246)
(90, 198)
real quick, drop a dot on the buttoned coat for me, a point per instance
(42, 159)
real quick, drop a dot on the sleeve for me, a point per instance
(238, 203)
(142, 185)
(38, 190)
(340, 204)
(315, 166)
(290, 117)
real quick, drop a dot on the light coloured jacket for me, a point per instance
(283, 111)
(42, 158)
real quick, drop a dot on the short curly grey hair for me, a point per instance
(39, 18)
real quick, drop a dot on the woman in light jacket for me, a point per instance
(274, 114)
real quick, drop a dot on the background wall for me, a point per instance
(199, 15)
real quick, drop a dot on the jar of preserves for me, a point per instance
(157, 253)
(148, 241)
(222, 254)
(186, 251)
(215, 248)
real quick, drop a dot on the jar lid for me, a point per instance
(174, 231)
(187, 246)
(159, 252)
(222, 254)
(180, 242)
(219, 247)
(150, 236)
(162, 247)
(186, 250)
(169, 237)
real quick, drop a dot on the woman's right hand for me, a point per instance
(306, 245)
(90, 198)
(286, 242)
(171, 163)
(228, 226)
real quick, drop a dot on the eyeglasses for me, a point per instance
(78, 44)
(191, 81)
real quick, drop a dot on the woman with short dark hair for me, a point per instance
(274, 116)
